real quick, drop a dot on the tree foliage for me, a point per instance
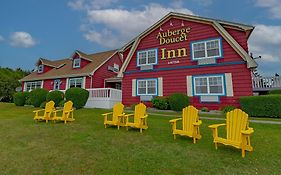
(9, 81)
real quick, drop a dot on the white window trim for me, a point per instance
(146, 84)
(82, 84)
(205, 43)
(77, 60)
(146, 58)
(41, 68)
(208, 86)
(59, 81)
(30, 82)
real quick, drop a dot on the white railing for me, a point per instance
(103, 97)
(266, 83)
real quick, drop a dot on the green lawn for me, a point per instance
(86, 147)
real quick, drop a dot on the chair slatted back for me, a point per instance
(236, 121)
(50, 106)
(118, 109)
(66, 108)
(140, 111)
(189, 116)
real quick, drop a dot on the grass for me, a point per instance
(86, 147)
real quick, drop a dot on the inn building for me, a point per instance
(206, 59)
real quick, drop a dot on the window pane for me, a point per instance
(151, 57)
(215, 89)
(213, 48)
(201, 90)
(142, 58)
(213, 52)
(199, 54)
(199, 46)
(151, 91)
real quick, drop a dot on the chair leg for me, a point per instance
(243, 153)
(118, 126)
(104, 125)
(140, 130)
(216, 145)
(127, 128)
(194, 140)
(175, 136)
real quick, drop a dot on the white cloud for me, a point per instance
(274, 7)
(22, 39)
(125, 24)
(90, 4)
(1, 38)
(266, 42)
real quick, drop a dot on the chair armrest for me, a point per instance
(175, 120)
(248, 131)
(129, 115)
(144, 116)
(55, 111)
(216, 125)
(107, 113)
(198, 123)
(39, 110)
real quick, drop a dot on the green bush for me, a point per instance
(38, 96)
(20, 98)
(61, 103)
(205, 109)
(56, 96)
(78, 96)
(28, 101)
(160, 103)
(132, 106)
(274, 92)
(262, 106)
(226, 109)
(43, 104)
(178, 101)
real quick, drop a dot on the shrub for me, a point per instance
(226, 109)
(43, 104)
(38, 96)
(28, 101)
(20, 98)
(56, 96)
(262, 106)
(178, 101)
(160, 103)
(61, 103)
(132, 106)
(78, 96)
(274, 92)
(205, 109)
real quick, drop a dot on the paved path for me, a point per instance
(215, 118)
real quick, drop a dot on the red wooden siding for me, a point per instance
(175, 80)
(102, 73)
(48, 84)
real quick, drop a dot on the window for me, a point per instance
(32, 85)
(40, 68)
(57, 84)
(207, 49)
(147, 87)
(115, 67)
(76, 62)
(147, 57)
(209, 85)
(75, 82)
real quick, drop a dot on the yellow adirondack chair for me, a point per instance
(118, 109)
(140, 118)
(190, 124)
(49, 108)
(67, 113)
(237, 131)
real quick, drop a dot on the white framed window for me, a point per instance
(115, 67)
(206, 49)
(147, 87)
(147, 57)
(209, 85)
(75, 82)
(40, 68)
(57, 84)
(32, 85)
(76, 63)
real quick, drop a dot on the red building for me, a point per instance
(207, 59)
(81, 70)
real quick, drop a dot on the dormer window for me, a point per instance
(115, 68)
(40, 68)
(76, 63)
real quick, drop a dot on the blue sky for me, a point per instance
(55, 29)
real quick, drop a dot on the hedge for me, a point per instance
(178, 101)
(78, 96)
(55, 96)
(273, 92)
(160, 103)
(262, 106)
(38, 96)
(20, 98)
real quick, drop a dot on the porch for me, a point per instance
(265, 84)
(103, 98)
